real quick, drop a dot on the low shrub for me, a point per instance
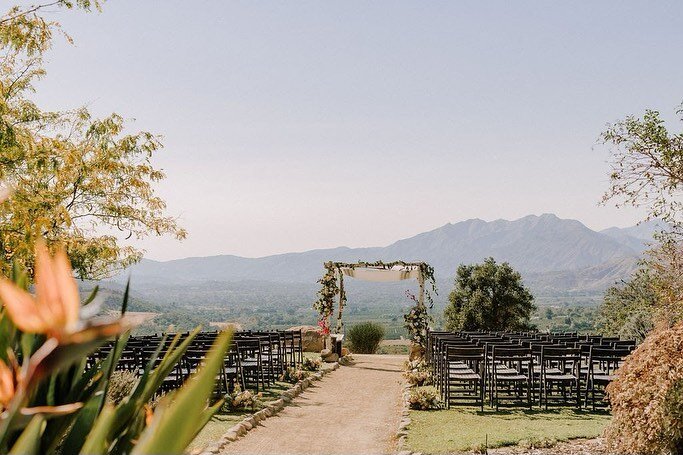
(415, 365)
(246, 400)
(311, 364)
(424, 398)
(121, 384)
(418, 378)
(417, 373)
(365, 337)
(294, 375)
(647, 397)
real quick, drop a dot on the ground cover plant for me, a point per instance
(464, 428)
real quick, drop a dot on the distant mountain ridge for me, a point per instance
(552, 254)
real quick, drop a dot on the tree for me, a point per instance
(75, 180)
(647, 171)
(627, 309)
(647, 166)
(549, 313)
(489, 296)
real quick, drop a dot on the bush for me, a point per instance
(647, 397)
(417, 373)
(245, 400)
(365, 337)
(311, 364)
(424, 398)
(294, 375)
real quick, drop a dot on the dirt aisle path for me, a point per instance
(354, 410)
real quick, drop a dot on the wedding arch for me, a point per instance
(332, 292)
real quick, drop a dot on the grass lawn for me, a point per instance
(461, 429)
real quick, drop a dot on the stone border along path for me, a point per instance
(251, 421)
(356, 410)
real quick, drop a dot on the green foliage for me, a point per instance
(646, 396)
(417, 321)
(181, 418)
(567, 318)
(365, 337)
(72, 176)
(549, 313)
(647, 166)
(44, 375)
(489, 296)
(627, 310)
(650, 297)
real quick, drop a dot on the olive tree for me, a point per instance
(489, 296)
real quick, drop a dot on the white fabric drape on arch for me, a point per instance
(381, 275)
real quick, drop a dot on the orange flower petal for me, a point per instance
(149, 415)
(21, 308)
(70, 298)
(6, 384)
(47, 287)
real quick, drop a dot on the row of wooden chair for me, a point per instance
(523, 369)
(254, 361)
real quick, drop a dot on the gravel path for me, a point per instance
(354, 410)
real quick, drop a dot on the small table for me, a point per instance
(337, 339)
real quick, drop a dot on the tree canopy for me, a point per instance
(647, 172)
(627, 309)
(489, 296)
(75, 180)
(647, 166)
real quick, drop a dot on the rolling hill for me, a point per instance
(553, 254)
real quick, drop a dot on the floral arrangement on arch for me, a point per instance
(326, 299)
(416, 321)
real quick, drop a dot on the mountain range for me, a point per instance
(553, 255)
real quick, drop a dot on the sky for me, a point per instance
(291, 126)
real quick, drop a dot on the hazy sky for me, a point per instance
(297, 125)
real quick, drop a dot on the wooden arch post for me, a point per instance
(340, 325)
